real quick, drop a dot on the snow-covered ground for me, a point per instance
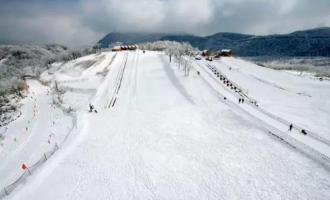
(33, 134)
(161, 135)
(301, 100)
(43, 123)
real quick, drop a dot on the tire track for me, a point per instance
(118, 81)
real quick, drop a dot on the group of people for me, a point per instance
(303, 131)
(241, 100)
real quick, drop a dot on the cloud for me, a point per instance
(46, 29)
(146, 15)
(117, 15)
(34, 22)
(270, 16)
(80, 22)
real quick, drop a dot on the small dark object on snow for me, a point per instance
(209, 59)
(91, 108)
(290, 127)
(224, 98)
(198, 73)
(303, 132)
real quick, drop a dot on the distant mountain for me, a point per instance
(129, 38)
(313, 42)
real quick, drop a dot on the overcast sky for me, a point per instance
(83, 22)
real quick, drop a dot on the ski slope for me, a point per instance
(301, 100)
(312, 143)
(161, 135)
(28, 136)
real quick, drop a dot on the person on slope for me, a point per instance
(290, 127)
(91, 108)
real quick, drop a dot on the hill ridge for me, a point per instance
(311, 42)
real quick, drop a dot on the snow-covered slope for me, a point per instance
(161, 135)
(301, 100)
(49, 116)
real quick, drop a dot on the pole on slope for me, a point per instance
(56, 146)
(6, 192)
(185, 69)
(29, 171)
(25, 168)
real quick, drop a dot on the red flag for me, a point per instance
(24, 167)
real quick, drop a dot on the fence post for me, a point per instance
(29, 171)
(6, 192)
(56, 147)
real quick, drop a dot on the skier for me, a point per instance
(303, 132)
(91, 108)
(290, 127)
(242, 100)
(239, 100)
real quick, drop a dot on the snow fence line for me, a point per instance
(7, 190)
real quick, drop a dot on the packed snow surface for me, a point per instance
(159, 134)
